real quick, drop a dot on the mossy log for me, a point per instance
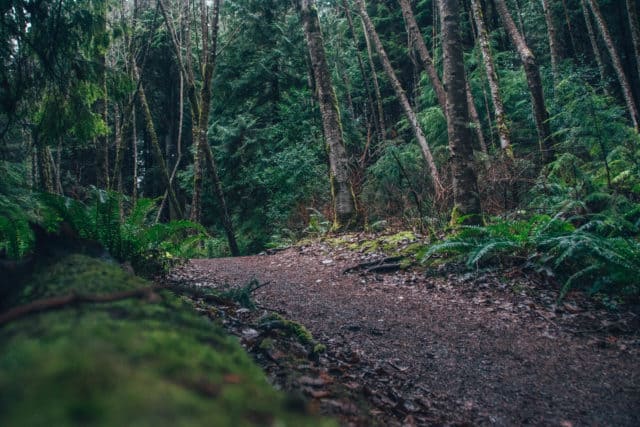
(127, 362)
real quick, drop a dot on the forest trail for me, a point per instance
(447, 349)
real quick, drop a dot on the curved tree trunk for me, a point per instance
(402, 97)
(504, 133)
(532, 72)
(617, 65)
(343, 203)
(465, 187)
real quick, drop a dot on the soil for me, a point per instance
(434, 347)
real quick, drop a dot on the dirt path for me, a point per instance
(464, 352)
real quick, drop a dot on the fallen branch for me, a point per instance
(369, 265)
(53, 303)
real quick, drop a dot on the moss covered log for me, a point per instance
(128, 362)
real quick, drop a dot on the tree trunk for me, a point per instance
(377, 123)
(594, 46)
(487, 58)
(532, 72)
(553, 40)
(574, 46)
(343, 203)
(200, 111)
(632, 15)
(475, 117)
(376, 84)
(466, 207)
(402, 97)
(420, 46)
(617, 65)
(155, 147)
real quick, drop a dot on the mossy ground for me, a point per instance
(131, 362)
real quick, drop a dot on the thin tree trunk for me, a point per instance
(574, 46)
(632, 15)
(475, 117)
(200, 111)
(45, 166)
(465, 187)
(376, 84)
(553, 41)
(363, 74)
(504, 133)
(594, 46)
(134, 151)
(420, 46)
(617, 65)
(155, 147)
(341, 191)
(402, 97)
(532, 73)
(58, 169)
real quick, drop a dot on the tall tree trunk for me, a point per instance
(617, 65)
(402, 97)
(376, 84)
(532, 72)
(155, 148)
(423, 53)
(342, 195)
(594, 45)
(200, 107)
(574, 46)
(475, 117)
(634, 25)
(504, 133)
(553, 40)
(45, 166)
(465, 187)
(376, 122)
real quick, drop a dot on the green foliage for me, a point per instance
(588, 257)
(150, 247)
(16, 211)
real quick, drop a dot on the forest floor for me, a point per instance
(421, 347)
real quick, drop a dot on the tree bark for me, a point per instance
(465, 187)
(594, 45)
(342, 195)
(402, 97)
(632, 15)
(376, 84)
(532, 72)
(504, 133)
(553, 40)
(617, 64)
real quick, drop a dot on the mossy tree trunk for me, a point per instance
(504, 133)
(465, 187)
(341, 191)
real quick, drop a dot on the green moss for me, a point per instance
(289, 326)
(129, 362)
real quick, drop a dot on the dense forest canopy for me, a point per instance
(260, 120)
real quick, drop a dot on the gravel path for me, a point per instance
(467, 352)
